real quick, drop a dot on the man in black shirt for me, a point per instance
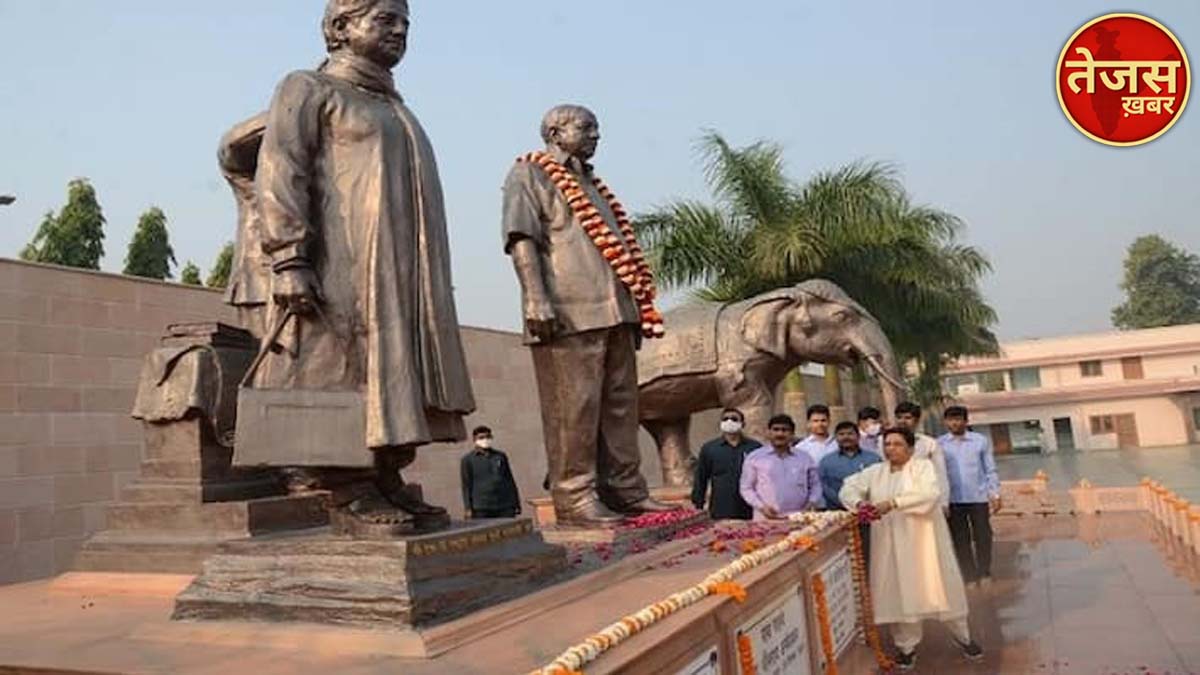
(488, 488)
(720, 463)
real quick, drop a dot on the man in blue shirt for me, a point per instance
(974, 495)
(836, 467)
(847, 461)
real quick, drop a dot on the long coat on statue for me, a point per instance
(914, 574)
(346, 179)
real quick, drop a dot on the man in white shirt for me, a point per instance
(819, 442)
(908, 416)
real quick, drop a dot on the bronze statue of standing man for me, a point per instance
(587, 299)
(347, 209)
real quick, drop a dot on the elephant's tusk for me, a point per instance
(883, 372)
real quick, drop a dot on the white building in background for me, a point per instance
(1087, 392)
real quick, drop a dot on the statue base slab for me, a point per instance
(318, 577)
(625, 535)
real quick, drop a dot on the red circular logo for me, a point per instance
(1123, 79)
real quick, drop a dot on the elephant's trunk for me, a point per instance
(874, 348)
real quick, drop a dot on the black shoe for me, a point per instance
(906, 660)
(971, 650)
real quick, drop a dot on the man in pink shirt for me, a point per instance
(777, 480)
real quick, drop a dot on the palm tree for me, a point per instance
(855, 226)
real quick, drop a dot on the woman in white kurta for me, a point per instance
(914, 575)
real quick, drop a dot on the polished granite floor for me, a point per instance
(1103, 594)
(1177, 467)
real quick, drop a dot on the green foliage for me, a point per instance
(1161, 284)
(222, 268)
(75, 237)
(150, 254)
(855, 226)
(190, 274)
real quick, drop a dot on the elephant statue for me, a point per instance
(736, 355)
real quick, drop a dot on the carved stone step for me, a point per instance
(146, 551)
(410, 581)
(232, 518)
(191, 490)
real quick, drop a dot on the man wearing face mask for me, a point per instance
(869, 428)
(720, 463)
(488, 488)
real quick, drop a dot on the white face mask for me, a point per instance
(730, 426)
(874, 428)
(483, 443)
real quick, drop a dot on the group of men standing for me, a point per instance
(741, 478)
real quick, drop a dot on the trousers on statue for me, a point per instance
(587, 384)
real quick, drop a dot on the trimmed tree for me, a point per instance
(1161, 284)
(75, 237)
(190, 275)
(150, 254)
(221, 269)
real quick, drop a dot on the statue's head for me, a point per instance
(373, 29)
(573, 129)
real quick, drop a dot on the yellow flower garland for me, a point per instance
(623, 252)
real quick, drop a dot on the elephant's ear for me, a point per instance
(765, 324)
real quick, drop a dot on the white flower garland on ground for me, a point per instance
(574, 658)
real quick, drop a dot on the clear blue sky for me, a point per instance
(135, 93)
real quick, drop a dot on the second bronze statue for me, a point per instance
(587, 302)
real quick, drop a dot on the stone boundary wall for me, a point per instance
(71, 348)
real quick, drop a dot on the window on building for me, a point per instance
(1091, 369)
(1131, 368)
(1026, 378)
(959, 385)
(1103, 424)
(1196, 418)
(992, 381)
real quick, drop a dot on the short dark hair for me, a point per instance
(783, 421)
(908, 407)
(739, 413)
(909, 437)
(816, 409)
(845, 424)
(956, 411)
(869, 413)
(481, 430)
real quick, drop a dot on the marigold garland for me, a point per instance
(730, 588)
(746, 655)
(824, 624)
(622, 252)
(574, 658)
(866, 607)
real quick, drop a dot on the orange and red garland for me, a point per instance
(825, 626)
(866, 607)
(622, 252)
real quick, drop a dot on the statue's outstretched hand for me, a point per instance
(298, 289)
(540, 319)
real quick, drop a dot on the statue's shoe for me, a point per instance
(406, 500)
(648, 505)
(375, 510)
(592, 514)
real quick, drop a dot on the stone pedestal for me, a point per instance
(316, 577)
(188, 498)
